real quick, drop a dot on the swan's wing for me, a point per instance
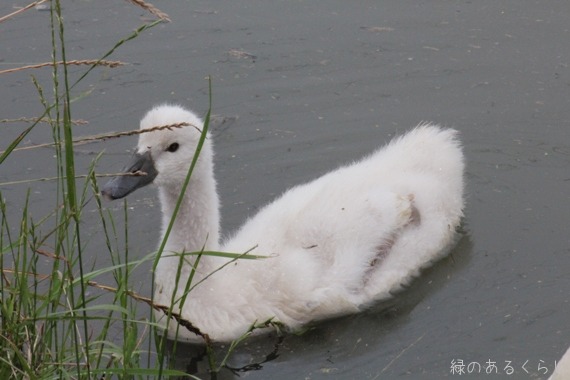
(342, 211)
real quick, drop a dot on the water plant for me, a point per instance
(58, 320)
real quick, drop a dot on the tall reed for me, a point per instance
(60, 321)
(47, 313)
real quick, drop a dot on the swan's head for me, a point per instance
(163, 156)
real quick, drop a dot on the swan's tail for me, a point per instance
(428, 148)
(428, 164)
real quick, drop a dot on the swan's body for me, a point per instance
(335, 244)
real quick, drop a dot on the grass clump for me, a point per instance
(58, 320)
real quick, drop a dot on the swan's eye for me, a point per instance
(172, 147)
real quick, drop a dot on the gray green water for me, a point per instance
(302, 86)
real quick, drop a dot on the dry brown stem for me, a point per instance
(152, 9)
(165, 309)
(36, 120)
(76, 62)
(107, 136)
(20, 182)
(21, 10)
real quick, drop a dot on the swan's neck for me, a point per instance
(196, 226)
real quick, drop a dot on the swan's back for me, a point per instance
(360, 232)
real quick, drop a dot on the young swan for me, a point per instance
(333, 245)
(562, 371)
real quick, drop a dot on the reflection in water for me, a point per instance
(194, 359)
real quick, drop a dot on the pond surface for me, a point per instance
(300, 87)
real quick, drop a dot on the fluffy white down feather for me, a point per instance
(334, 245)
(562, 371)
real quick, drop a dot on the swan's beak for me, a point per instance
(121, 186)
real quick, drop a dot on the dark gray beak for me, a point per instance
(121, 186)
